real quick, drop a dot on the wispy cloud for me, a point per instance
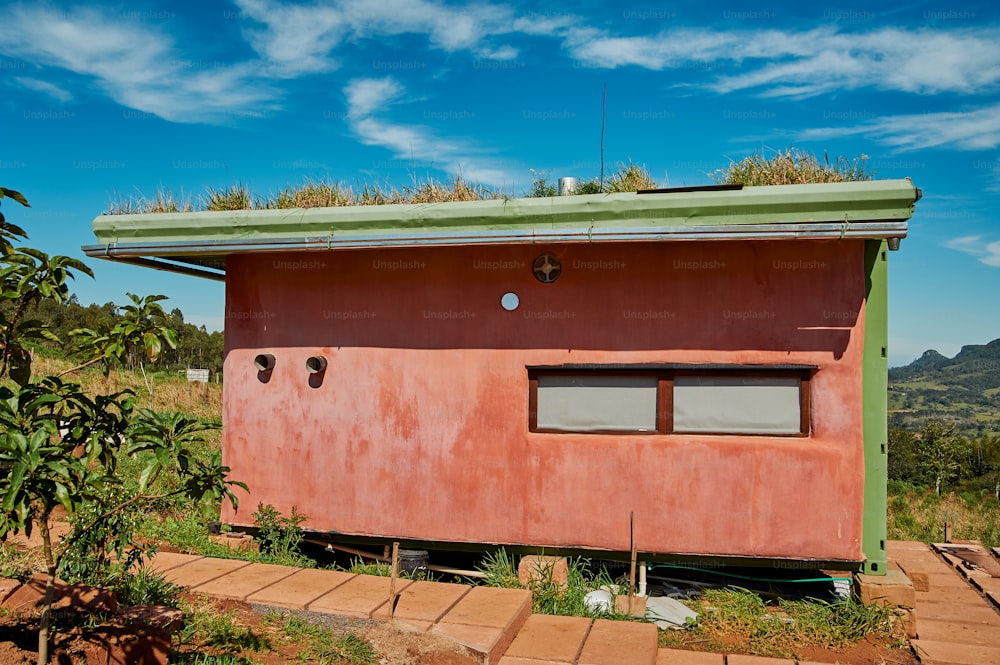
(44, 87)
(784, 63)
(303, 38)
(367, 97)
(132, 63)
(978, 129)
(987, 252)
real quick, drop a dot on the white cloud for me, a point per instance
(367, 97)
(977, 129)
(986, 252)
(302, 38)
(46, 88)
(781, 63)
(135, 65)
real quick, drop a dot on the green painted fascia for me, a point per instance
(875, 377)
(877, 200)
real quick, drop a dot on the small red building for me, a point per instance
(536, 371)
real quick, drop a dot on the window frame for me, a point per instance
(665, 375)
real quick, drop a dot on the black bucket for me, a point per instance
(413, 561)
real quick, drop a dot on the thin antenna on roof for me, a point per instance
(604, 115)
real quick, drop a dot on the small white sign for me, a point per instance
(200, 375)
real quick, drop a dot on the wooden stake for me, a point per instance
(631, 569)
(393, 572)
(947, 532)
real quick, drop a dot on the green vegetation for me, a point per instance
(60, 446)
(792, 167)
(917, 513)
(628, 177)
(964, 390)
(321, 644)
(548, 596)
(205, 625)
(780, 629)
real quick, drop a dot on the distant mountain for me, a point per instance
(964, 389)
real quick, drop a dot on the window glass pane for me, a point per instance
(737, 405)
(595, 403)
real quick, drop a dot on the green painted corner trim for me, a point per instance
(875, 378)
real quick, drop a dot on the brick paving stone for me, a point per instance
(300, 588)
(422, 603)
(547, 639)
(939, 653)
(245, 581)
(486, 619)
(681, 657)
(202, 570)
(961, 632)
(357, 597)
(969, 612)
(488, 606)
(946, 581)
(892, 546)
(615, 642)
(487, 642)
(161, 562)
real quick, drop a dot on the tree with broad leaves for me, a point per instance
(60, 446)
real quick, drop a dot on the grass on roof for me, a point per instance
(328, 193)
(791, 166)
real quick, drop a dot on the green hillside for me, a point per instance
(964, 389)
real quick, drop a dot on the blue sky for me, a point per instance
(103, 101)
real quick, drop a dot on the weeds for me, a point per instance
(19, 565)
(205, 659)
(207, 626)
(143, 588)
(628, 177)
(279, 537)
(547, 595)
(792, 167)
(500, 570)
(321, 643)
(778, 630)
(361, 567)
(916, 514)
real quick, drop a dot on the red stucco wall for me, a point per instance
(419, 428)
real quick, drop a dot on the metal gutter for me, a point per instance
(869, 210)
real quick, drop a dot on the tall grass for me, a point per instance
(919, 514)
(792, 167)
(627, 177)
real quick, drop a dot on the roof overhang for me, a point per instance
(197, 243)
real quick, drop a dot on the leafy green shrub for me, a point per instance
(279, 537)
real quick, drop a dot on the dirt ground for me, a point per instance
(81, 641)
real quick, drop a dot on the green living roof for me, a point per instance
(198, 242)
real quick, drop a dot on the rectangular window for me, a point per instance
(596, 403)
(665, 399)
(737, 404)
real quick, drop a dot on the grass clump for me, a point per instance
(792, 167)
(320, 643)
(205, 625)
(735, 618)
(547, 595)
(144, 587)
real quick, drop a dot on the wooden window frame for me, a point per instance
(665, 375)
